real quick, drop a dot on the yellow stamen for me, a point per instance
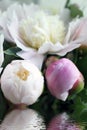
(23, 74)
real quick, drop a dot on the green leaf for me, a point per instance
(12, 51)
(82, 65)
(80, 109)
(75, 11)
(7, 45)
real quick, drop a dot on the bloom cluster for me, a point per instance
(31, 32)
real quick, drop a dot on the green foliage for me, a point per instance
(3, 106)
(75, 11)
(10, 54)
(12, 51)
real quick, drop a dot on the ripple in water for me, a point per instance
(23, 120)
(62, 122)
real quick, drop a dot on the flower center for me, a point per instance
(41, 29)
(23, 74)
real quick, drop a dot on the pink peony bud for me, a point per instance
(63, 78)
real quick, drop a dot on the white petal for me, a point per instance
(1, 49)
(65, 16)
(33, 56)
(53, 6)
(62, 96)
(67, 48)
(50, 47)
(71, 30)
(3, 27)
(15, 35)
(4, 4)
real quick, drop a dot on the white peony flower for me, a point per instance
(1, 51)
(34, 31)
(22, 82)
(37, 33)
(27, 119)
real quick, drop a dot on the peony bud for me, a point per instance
(22, 82)
(62, 78)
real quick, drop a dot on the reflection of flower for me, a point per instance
(27, 119)
(1, 51)
(23, 82)
(62, 122)
(63, 76)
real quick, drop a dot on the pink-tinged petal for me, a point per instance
(62, 96)
(61, 77)
(68, 47)
(33, 56)
(77, 31)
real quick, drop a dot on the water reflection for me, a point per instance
(23, 120)
(62, 122)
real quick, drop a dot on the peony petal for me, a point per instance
(4, 4)
(62, 96)
(67, 48)
(50, 47)
(1, 49)
(58, 48)
(65, 16)
(3, 27)
(53, 6)
(33, 56)
(77, 30)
